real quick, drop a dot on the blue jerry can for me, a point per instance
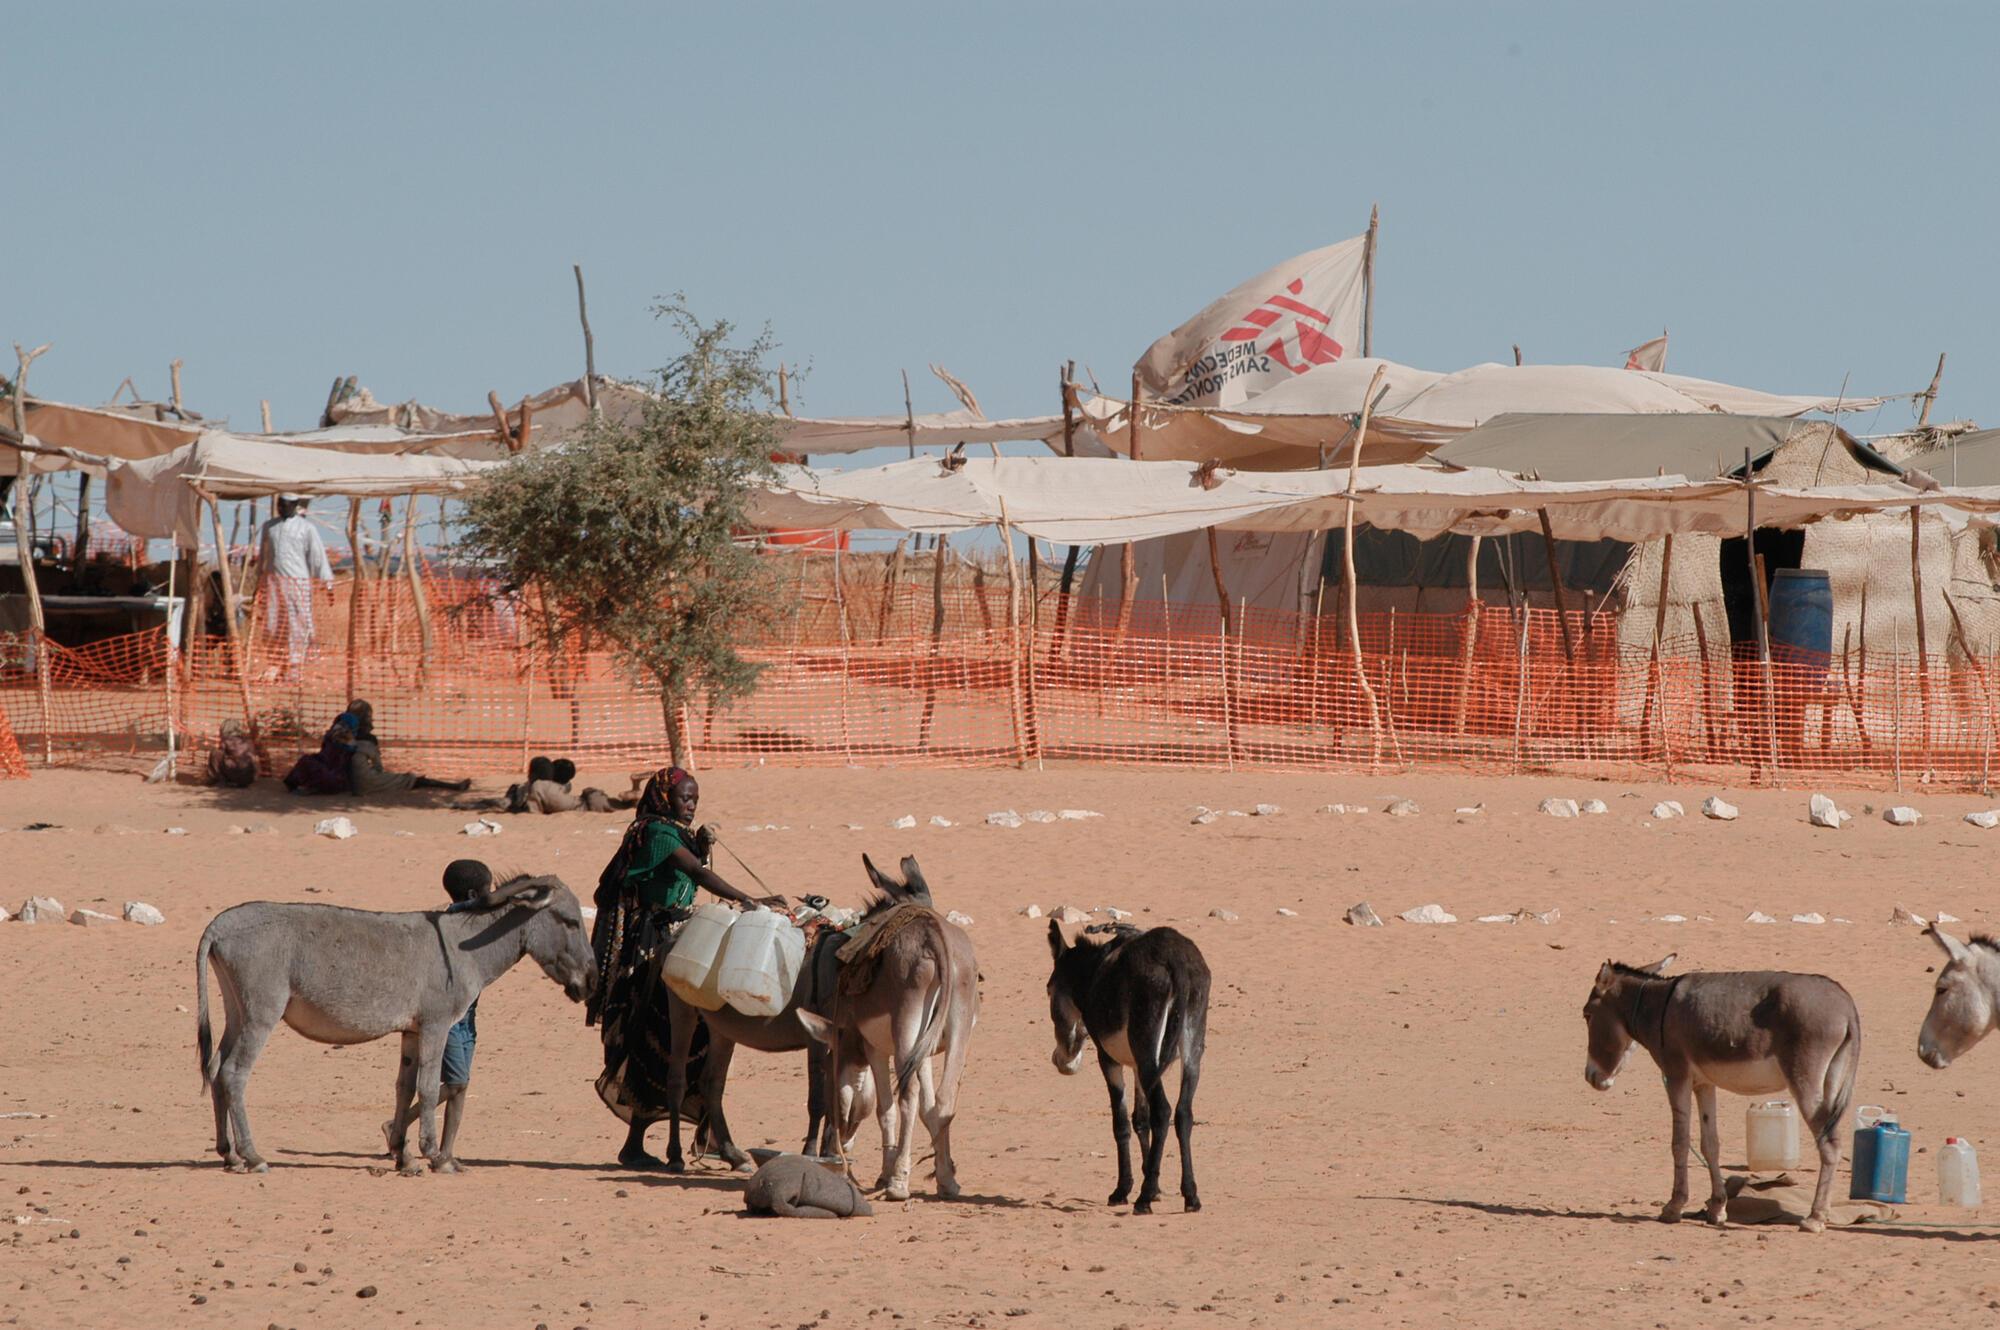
(1881, 1157)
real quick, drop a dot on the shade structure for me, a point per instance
(1610, 447)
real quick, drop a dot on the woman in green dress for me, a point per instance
(644, 895)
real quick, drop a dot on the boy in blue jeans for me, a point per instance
(465, 880)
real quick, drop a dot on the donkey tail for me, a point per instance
(204, 1042)
(1838, 1088)
(932, 1029)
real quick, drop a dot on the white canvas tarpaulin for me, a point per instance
(1292, 424)
(554, 414)
(161, 497)
(1286, 322)
(108, 431)
(799, 434)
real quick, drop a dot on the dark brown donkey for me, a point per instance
(1750, 1033)
(1143, 998)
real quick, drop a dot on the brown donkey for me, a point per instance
(1750, 1033)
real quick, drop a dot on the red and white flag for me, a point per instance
(1649, 355)
(1304, 313)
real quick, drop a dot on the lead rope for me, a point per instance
(716, 839)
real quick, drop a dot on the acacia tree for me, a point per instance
(626, 533)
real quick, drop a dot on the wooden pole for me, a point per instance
(1930, 394)
(81, 550)
(1349, 580)
(237, 645)
(264, 406)
(891, 580)
(24, 546)
(1471, 641)
(1923, 642)
(1763, 612)
(589, 345)
(1655, 681)
(1069, 559)
(419, 596)
(1017, 702)
(1517, 355)
(784, 392)
(1556, 581)
(1368, 282)
(355, 575)
(1707, 682)
(1128, 567)
(1221, 587)
(909, 414)
(174, 372)
(846, 636)
(938, 554)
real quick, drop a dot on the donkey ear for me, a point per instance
(819, 1027)
(1950, 945)
(1660, 966)
(876, 876)
(1058, 944)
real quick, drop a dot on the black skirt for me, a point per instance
(637, 1032)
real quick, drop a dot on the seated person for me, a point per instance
(327, 771)
(367, 777)
(547, 790)
(233, 760)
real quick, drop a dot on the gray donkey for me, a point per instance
(1966, 1006)
(1750, 1033)
(340, 976)
(1143, 998)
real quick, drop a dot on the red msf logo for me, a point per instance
(1316, 347)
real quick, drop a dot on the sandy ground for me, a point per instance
(1393, 1125)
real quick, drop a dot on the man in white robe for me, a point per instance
(291, 558)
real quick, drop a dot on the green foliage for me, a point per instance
(627, 531)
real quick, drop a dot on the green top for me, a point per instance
(654, 880)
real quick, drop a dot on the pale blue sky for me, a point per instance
(282, 193)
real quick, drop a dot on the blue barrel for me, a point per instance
(1881, 1163)
(1802, 617)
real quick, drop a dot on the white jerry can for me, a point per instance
(693, 970)
(760, 962)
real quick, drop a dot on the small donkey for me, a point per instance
(1750, 1033)
(1143, 998)
(1966, 1007)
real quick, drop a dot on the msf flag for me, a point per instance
(1650, 356)
(1304, 313)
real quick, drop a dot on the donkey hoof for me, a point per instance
(1119, 1197)
(897, 1191)
(1671, 1215)
(1190, 1204)
(949, 1191)
(445, 1166)
(1142, 1207)
(1812, 1224)
(1717, 1213)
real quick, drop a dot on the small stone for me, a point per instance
(365, 1291)
(1113, 913)
(1068, 914)
(1528, 916)
(904, 823)
(1673, 919)
(1902, 815)
(138, 912)
(42, 910)
(1005, 818)
(1428, 914)
(1402, 808)
(1041, 815)
(961, 920)
(1494, 919)
(177, 831)
(622, 1194)
(1469, 812)
(1899, 915)
(1206, 816)
(938, 821)
(1031, 912)
(1811, 917)
(334, 828)
(1944, 918)
(1592, 807)
(486, 826)
(298, 1267)
(1667, 808)
(1363, 916)
(1823, 812)
(1284, 913)
(1264, 810)
(1226, 916)
(1077, 814)
(846, 826)
(1558, 807)
(1758, 917)
(1718, 808)
(1985, 821)
(92, 918)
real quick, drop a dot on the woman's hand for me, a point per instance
(774, 903)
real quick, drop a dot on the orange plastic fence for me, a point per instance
(858, 677)
(12, 766)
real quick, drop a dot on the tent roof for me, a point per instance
(1968, 459)
(1610, 447)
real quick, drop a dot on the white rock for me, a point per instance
(1068, 914)
(1402, 808)
(1283, 913)
(1527, 916)
(1227, 916)
(1944, 918)
(1899, 915)
(177, 831)
(1558, 807)
(1041, 815)
(1468, 812)
(1077, 814)
(1206, 816)
(848, 826)
(962, 920)
(1332, 808)
(5, 914)
(1496, 919)
(1823, 812)
(1236, 812)
(1428, 914)
(1902, 815)
(1031, 912)
(1592, 807)
(1113, 913)
(589, 913)
(1008, 818)
(412, 835)
(334, 828)
(1986, 821)
(486, 826)
(42, 910)
(1758, 917)
(138, 912)
(1810, 917)
(904, 823)
(1363, 916)
(92, 918)
(1264, 810)
(1667, 808)
(938, 821)
(1718, 808)
(1672, 919)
